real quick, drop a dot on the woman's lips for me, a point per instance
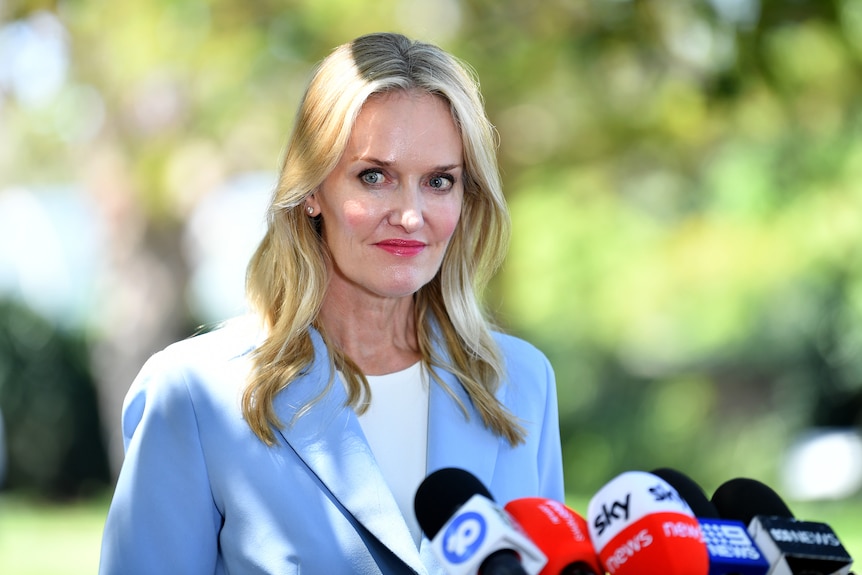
(405, 248)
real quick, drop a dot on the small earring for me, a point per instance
(309, 210)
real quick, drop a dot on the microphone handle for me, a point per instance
(502, 562)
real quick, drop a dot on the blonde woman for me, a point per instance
(293, 441)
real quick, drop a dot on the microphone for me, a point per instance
(731, 550)
(470, 534)
(641, 526)
(561, 534)
(791, 546)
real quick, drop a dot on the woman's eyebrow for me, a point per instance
(372, 160)
(387, 163)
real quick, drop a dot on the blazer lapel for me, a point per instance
(454, 440)
(329, 439)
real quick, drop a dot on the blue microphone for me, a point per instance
(731, 549)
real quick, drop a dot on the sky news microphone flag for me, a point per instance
(641, 526)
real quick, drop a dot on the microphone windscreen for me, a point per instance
(789, 545)
(441, 494)
(730, 548)
(469, 532)
(561, 534)
(640, 525)
(741, 499)
(689, 490)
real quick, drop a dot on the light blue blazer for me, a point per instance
(199, 493)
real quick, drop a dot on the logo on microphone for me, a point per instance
(618, 510)
(666, 493)
(728, 541)
(805, 537)
(463, 537)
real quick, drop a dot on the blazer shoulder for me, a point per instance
(203, 369)
(521, 355)
(226, 341)
(507, 340)
(206, 354)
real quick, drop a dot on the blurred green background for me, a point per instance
(685, 180)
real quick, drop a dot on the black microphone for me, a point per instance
(791, 546)
(470, 534)
(731, 550)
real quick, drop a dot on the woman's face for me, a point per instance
(391, 204)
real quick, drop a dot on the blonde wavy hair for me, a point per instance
(287, 276)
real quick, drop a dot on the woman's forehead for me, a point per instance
(403, 125)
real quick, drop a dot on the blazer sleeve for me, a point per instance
(162, 518)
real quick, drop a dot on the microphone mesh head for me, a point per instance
(441, 494)
(689, 490)
(741, 499)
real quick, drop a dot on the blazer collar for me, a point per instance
(330, 441)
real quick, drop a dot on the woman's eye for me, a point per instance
(441, 182)
(372, 177)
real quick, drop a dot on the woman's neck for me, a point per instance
(377, 334)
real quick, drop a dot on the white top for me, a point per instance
(396, 427)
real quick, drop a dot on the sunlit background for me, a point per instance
(685, 180)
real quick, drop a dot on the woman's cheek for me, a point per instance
(357, 215)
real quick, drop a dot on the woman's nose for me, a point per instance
(407, 209)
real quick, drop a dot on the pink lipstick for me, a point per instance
(404, 248)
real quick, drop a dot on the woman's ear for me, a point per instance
(312, 206)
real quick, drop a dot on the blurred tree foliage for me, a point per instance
(52, 426)
(683, 177)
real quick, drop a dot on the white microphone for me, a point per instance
(470, 534)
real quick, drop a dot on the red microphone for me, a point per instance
(640, 525)
(561, 534)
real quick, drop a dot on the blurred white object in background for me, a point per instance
(220, 237)
(824, 463)
(50, 252)
(35, 56)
